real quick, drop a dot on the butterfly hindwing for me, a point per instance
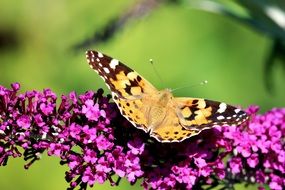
(198, 113)
(132, 110)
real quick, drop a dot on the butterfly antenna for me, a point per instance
(155, 70)
(193, 85)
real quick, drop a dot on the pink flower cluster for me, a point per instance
(258, 148)
(88, 134)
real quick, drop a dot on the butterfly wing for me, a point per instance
(120, 79)
(198, 114)
(127, 86)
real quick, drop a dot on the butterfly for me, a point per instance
(158, 112)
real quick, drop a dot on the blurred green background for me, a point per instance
(37, 49)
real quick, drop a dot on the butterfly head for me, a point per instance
(164, 96)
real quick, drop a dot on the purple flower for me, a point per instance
(136, 146)
(57, 149)
(103, 143)
(97, 144)
(46, 108)
(276, 182)
(89, 134)
(89, 177)
(133, 169)
(92, 110)
(260, 145)
(200, 162)
(24, 122)
(235, 165)
(252, 161)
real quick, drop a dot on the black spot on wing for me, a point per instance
(192, 109)
(195, 101)
(139, 78)
(133, 83)
(213, 104)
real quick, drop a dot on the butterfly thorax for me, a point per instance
(159, 107)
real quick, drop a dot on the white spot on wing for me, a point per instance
(222, 107)
(114, 63)
(100, 54)
(220, 117)
(237, 110)
(106, 70)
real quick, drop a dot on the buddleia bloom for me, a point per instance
(98, 145)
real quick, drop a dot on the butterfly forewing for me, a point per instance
(166, 118)
(120, 79)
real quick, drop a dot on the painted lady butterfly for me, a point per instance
(158, 112)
